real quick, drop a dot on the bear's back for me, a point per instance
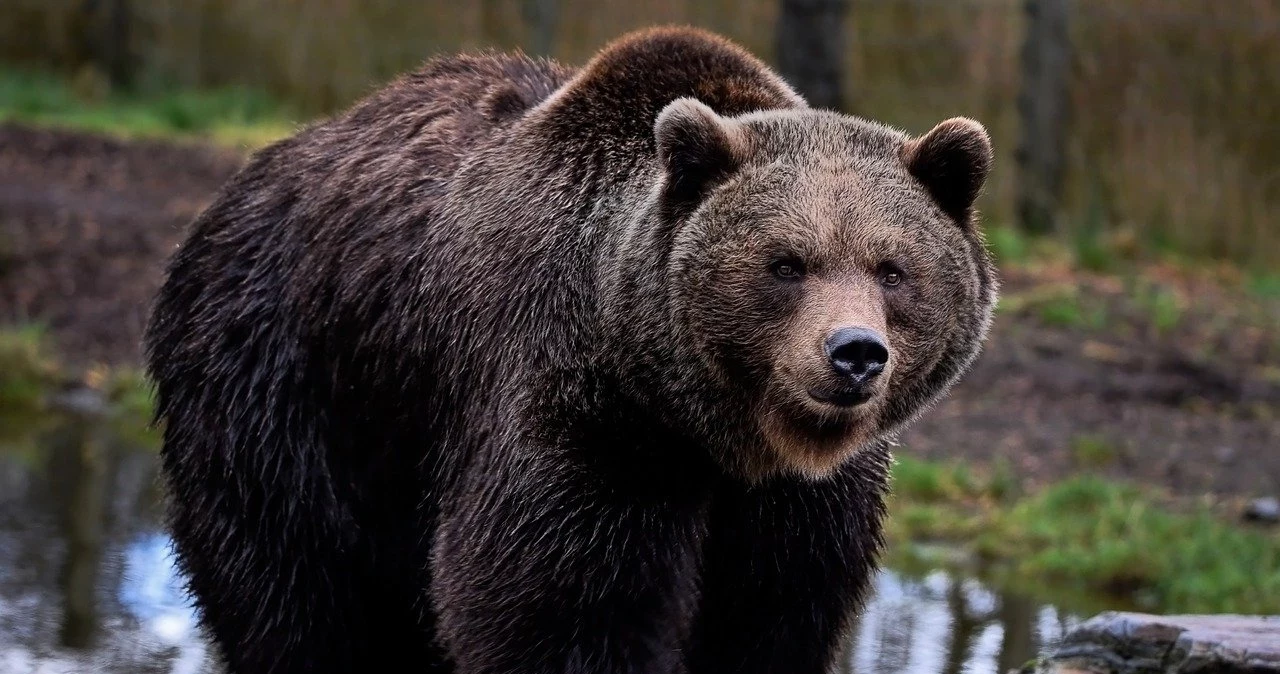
(310, 240)
(451, 103)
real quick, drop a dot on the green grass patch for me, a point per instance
(32, 379)
(1057, 305)
(1069, 310)
(127, 391)
(1062, 311)
(27, 369)
(1007, 244)
(1095, 537)
(926, 482)
(1091, 250)
(1162, 305)
(1117, 538)
(129, 397)
(1093, 451)
(231, 116)
(1265, 285)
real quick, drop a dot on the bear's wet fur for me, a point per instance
(497, 371)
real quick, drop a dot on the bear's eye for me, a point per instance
(890, 275)
(788, 268)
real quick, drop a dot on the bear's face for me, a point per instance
(826, 271)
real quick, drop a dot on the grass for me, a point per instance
(27, 373)
(1091, 250)
(1265, 285)
(1163, 307)
(128, 393)
(1153, 299)
(1059, 306)
(1092, 536)
(27, 369)
(230, 116)
(1064, 311)
(1093, 451)
(1007, 244)
(30, 376)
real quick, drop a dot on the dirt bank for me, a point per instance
(85, 224)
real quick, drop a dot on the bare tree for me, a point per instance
(811, 47)
(117, 43)
(1043, 107)
(109, 39)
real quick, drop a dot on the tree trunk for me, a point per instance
(1042, 106)
(117, 43)
(811, 49)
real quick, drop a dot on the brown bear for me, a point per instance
(513, 367)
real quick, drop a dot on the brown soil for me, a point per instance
(1195, 409)
(86, 223)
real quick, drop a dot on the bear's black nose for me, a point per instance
(857, 352)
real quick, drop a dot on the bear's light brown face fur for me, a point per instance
(819, 223)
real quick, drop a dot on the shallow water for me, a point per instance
(87, 583)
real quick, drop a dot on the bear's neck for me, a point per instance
(611, 369)
(579, 310)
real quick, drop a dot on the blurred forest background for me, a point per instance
(1144, 124)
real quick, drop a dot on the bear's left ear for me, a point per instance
(952, 162)
(697, 148)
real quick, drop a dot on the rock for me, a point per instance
(1266, 509)
(1138, 643)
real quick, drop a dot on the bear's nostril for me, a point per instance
(857, 352)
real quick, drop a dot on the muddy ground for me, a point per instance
(1082, 372)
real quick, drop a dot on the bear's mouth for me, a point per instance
(814, 430)
(844, 396)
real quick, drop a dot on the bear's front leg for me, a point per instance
(787, 564)
(542, 568)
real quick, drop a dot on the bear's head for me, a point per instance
(824, 277)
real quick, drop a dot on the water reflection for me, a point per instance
(87, 581)
(942, 624)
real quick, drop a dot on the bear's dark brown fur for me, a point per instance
(518, 368)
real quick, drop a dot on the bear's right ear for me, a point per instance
(697, 148)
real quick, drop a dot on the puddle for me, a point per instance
(87, 583)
